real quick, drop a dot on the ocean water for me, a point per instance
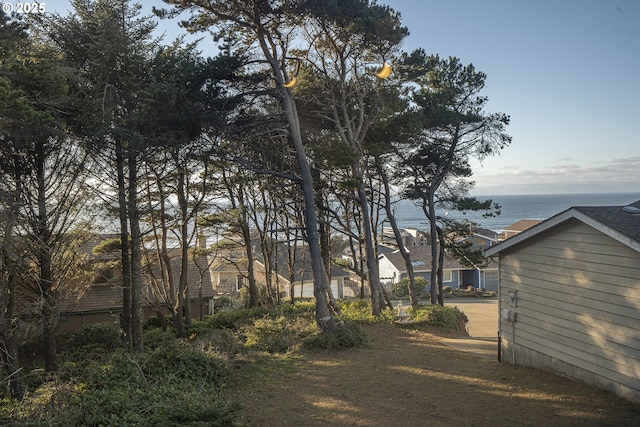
(517, 207)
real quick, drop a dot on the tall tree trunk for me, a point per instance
(433, 238)
(42, 244)
(320, 278)
(8, 286)
(136, 256)
(125, 319)
(413, 295)
(183, 290)
(377, 296)
(441, 253)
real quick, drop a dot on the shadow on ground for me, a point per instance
(413, 378)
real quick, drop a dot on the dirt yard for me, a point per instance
(412, 378)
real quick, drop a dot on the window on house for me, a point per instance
(239, 282)
(447, 276)
(104, 275)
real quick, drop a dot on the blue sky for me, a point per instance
(566, 71)
(568, 74)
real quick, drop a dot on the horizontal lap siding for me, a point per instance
(578, 303)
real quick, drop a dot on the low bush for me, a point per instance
(278, 335)
(444, 317)
(158, 338)
(358, 310)
(348, 335)
(401, 288)
(183, 362)
(93, 338)
(174, 385)
(222, 302)
(234, 319)
(219, 341)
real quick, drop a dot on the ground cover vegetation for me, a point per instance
(288, 142)
(184, 381)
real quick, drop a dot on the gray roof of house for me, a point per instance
(421, 260)
(485, 232)
(613, 221)
(616, 218)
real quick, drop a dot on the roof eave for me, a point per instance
(556, 220)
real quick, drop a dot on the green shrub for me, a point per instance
(358, 310)
(277, 335)
(173, 385)
(348, 335)
(100, 336)
(401, 289)
(222, 302)
(444, 317)
(219, 341)
(234, 319)
(155, 322)
(182, 361)
(302, 308)
(158, 338)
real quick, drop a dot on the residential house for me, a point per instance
(570, 296)
(518, 227)
(393, 269)
(482, 238)
(410, 237)
(101, 300)
(301, 284)
(229, 273)
(228, 268)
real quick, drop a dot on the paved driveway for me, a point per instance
(482, 314)
(482, 326)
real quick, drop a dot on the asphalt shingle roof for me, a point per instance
(616, 218)
(613, 221)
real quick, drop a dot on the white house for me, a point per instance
(570, 296)
(393, 268)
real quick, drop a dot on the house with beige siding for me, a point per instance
(100, 300)
(517, 228)
(569, 292)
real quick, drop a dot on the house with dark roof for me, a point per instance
(569, 296)
(482, 237)
(296, 276)
(393, 268)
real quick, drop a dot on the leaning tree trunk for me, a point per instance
(320, 280)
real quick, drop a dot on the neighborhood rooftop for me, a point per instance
(619, 222)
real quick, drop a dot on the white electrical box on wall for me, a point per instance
(506, 314)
